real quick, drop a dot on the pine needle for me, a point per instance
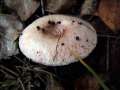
(100, 81)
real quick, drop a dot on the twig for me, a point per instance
(107, 54)
(57, 47)
(5, 73)
(17, 58)
(42, 7)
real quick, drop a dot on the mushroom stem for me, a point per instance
(100, 81)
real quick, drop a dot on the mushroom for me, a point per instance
(48, 40)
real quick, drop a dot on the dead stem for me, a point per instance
(29, 85)
(22, 86)
(8, 70)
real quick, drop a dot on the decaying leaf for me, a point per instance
(10, 27)
(59, 6)
(88, 7)
(24, 8)
(64, 6)
(109, 12)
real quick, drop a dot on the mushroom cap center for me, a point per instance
(49, 39)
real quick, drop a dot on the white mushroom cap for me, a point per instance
(49, 39)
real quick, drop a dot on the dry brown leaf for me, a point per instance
(109, 12)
